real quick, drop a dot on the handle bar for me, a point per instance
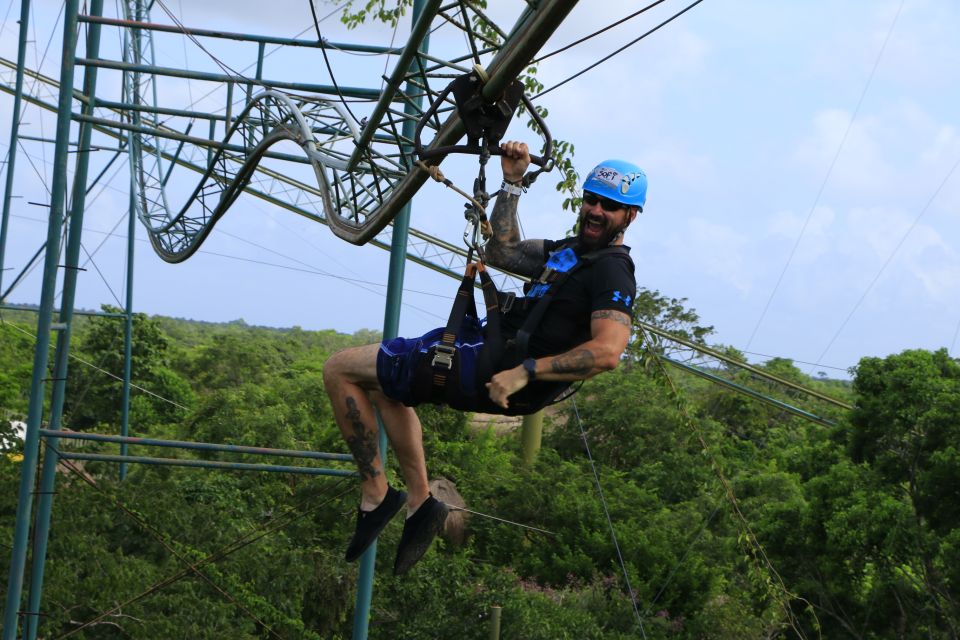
(545, 162)
(476, 149)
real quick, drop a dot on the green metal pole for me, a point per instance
(495, 612)
(128, 338)
(749, 392)
(31, 445)
(198, 446)
(62, 354)
(211, 464)
(391, 327)
(223, 78)
(531, 433)
(14, 133)
(244, 37)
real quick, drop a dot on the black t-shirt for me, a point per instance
(605, 283)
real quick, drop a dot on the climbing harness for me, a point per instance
(459, 359)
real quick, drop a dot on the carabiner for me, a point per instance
(472, 233)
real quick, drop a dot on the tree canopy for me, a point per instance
(856, 524)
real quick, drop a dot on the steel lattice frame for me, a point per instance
(269, 184)
(362, 169)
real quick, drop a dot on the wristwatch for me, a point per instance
(530, 366)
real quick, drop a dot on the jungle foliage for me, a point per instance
(857, 524)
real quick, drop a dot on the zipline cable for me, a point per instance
(357, 282)
(223, 65)
(953, 343)
(624, 47)
(386, 62)
(596, 33)
(159, 537)
(6, 16)
(606, 511)
(96, 268)
(816, 364)
(43, 58)
(823, 184)
(265, 56)
(96, 250)
(3, 321)
(889, 259)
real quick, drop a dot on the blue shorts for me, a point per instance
(399, 358)
(405, 376)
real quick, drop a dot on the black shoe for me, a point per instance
(418, 532)
(371, 523)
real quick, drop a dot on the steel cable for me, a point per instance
(606, 511)
(623, 48)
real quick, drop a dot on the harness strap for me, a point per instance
(493, 340)
(530, 325)
(464, 305)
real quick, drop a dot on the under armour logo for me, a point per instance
(538, 290)
(618, 298)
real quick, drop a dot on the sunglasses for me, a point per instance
(606, 204)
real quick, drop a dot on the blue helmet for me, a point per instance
(618, 180)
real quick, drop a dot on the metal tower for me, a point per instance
(189, 164)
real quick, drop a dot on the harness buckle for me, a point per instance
(443, 356)
(507, 298)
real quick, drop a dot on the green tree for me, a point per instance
(16, 365)
(94, 387)
(905, 427)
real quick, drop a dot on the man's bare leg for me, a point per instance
(350, 377)
(406, 436)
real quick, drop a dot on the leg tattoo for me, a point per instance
(363, 444)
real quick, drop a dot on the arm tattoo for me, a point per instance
(579, 362)
(610, 314)
(504, 220)
(363, 443)
(505, 249)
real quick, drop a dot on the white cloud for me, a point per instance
(686, 168)
(719, 252)
(860, 166)
(816, 241)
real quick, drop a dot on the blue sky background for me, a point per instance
(819, 130)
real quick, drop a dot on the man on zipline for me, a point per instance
(584, 333)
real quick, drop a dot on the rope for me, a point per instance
(223, 65)
(886, 263)
(516, 524)
(359, 283)
(104, 371)
(436, 174)
(683, 558)
(606, 511)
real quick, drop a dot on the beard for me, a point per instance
(592, 236)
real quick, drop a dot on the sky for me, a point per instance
(804, 195)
